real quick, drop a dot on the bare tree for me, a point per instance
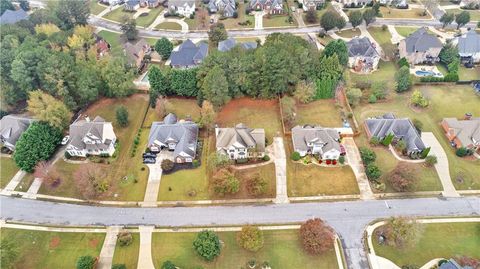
(91, 180)
(160, 107)
(47, 173)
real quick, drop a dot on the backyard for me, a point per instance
(281, 249)
(459, 99)
(323, 112)
(8, 169)
(411, 13)
(51, 249)
(437, 240)
(128, 255)
(127, 174)
(182, 107)
(384, 74)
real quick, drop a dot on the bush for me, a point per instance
(250, 238)
(119, 266)
(207, 245)
(387, 140)
(372, 99)
(167, 165)
(168, 265)
(86, 262)
(401, 146)
(195, 163)
(122, 116)
(373, 172)
(418, 99)
(256, 186)
(368, 156)
(403, 177)
(374, 141)
(403, 62)
(316, 236)
(341, 159)
(353, 96)
(384, 27)
(225, 182)
(124, 239)
(266, 158)
(418, 125)
(461, 152)
(295, 156)
(403, 79)
(431, 160)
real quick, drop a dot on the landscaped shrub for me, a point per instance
(316, 236)
(461, 152)
(431, 160)
(372, 99)
(295, 156)
(256, 186)
(86, 262)
(328, 161)
(418, 99)
(341, 159)
(125, 238)
(67, 155)
(418, 125)
(195, 163)
(373, 172)
(374, 141)
(401, 146)
(403, 62)
(167, 165)
(367, 155)
(403, 177)
(250, 238)
(207, 245)
(334, 162)
(387, 140)
(168, 265)
(266, 158)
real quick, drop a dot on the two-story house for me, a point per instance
(188, 54)
(11, 128)
(135, 53)
(469, 47)
(316, 140)
(240, 142)
(362, 55)
(226, 8)
(184, 8)
(420, 47)
(268, 6)
(89, 137)
(463, 133)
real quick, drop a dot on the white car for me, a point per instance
(65, 140)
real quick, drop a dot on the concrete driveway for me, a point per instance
(280, 170)
(153, 184)
(355, 161)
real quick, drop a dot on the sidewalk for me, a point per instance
(108, 248)
(145, 260)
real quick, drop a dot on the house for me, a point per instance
(354, 3)
(240, 142)
(111, 2)
(11, 128)
(179, 137)
(89, 137)
(131, 5)
(469, 47)
(135, 53)
(463, 133)
(102, 46)
(452, 264)
(402, 129)
(227, 8)
(362, 55)
(312, 4)
(268, 6)
(188, 55)
(230, 43)
(402, 4)
(13, 16)
(153, 3)
(470, 4)
(316, 140)
(184, 8)
(420, 47)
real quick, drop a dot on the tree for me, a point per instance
(448, 53)
(403, 62)
(380, 89)
(311, 16)
(71, 13)
(207, 245)
(304, 91)
(289, 109)
(8, 252)
(338, 47)
(91, 181)
(167, 165)
(250, 238)
(46, 108)
(4, 5)
(207, 114)
(86, 262)
(47, 29)
(295, 156)
(36, 144)
(372, 171)
(217, 160)
(400, 232)
(353, 96)
(215, 87)
(121, 113)
(403, 79)
(447, 19)
(403, 177)
(355, 18)
(129, 29)
(184, 82)
(24, 4)
(47, 173)
(217, 33)
(368, 156)
(341, 23)
(256, 186)
(125, 238)
(161, 107)
(329, 20)
(462, 19)
(117, 78)
(461, 152)
(369, 16)
(159, 84)
(316, 236)
(168, 265)
(225, 182)
(164, 47)
(418, 99)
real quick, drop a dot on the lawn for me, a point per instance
(437, 240)
(319, 13)
(125, 172)
(411, 13)
(232, 23)
(325, 40)
(349, 33)
(96, 8)
(459, 99)
(25, 183)
(277, 21)
(169, 25)
(281, 249)
(474, 14)
(145, 21)
(8, 169)
(51, 249)
(322, 112)
(182, 107)
(383, 37)
(384, 74)
(119, 15)
(114, 40)
(405, 30)
(469, 73)
(128, 255)
(254, 113)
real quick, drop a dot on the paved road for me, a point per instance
(348, 218)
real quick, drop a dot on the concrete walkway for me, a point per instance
(280, 170)
(145, 260)
(33, 190)
(159, 19)
(298, 15)
(355, 161)
(108, 248)
(14, 182)
(108, 10)
(442, 35)
(396, 37)
(394, 153)
(442, 167)
(258, 20)
(153, 184)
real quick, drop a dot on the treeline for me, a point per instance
(270, 70)
(54, 51)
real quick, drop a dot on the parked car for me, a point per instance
(148, 160)
(149, 155)
(65, 140)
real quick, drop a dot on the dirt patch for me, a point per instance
(112, 101)
(93, 243)
(230, 110)
(54, 242)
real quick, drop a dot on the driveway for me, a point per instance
(153, 184)
(355, 161)
(258, 20)
(280, 170)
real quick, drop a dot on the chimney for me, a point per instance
(468, 116)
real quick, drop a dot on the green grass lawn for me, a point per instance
(169, 25)
(319, 13)
(469, 73)
(128, 255)
(322, 112)
(254, 113)
(459, 99)
(383, 37)
(474, 14)
(384, 74)
(124, 166)
(281, 249)
(232, 23)
(119, 15)
(51, 249)
(437, 240)
(277, 21)
(96, 8)
(411, 13)
(349, 33)
(25, 183)
(405, 30)
(153, 13)
(8, 169)
(182, 107)
(325, 40)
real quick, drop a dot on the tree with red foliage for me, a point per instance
(316, 236)
(47, 173)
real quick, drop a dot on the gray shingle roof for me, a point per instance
(451, 264)
(189, 54)
(361, 46)
(132, 49)
(246, 137)
(230, 43)
(80, 129)
(183, 133)
(12, 127)
(421, 41)
(301, 135)
(400, 128)
(13, 16)
(465, 130)
(469, 43)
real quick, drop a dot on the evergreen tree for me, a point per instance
(215, 87)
